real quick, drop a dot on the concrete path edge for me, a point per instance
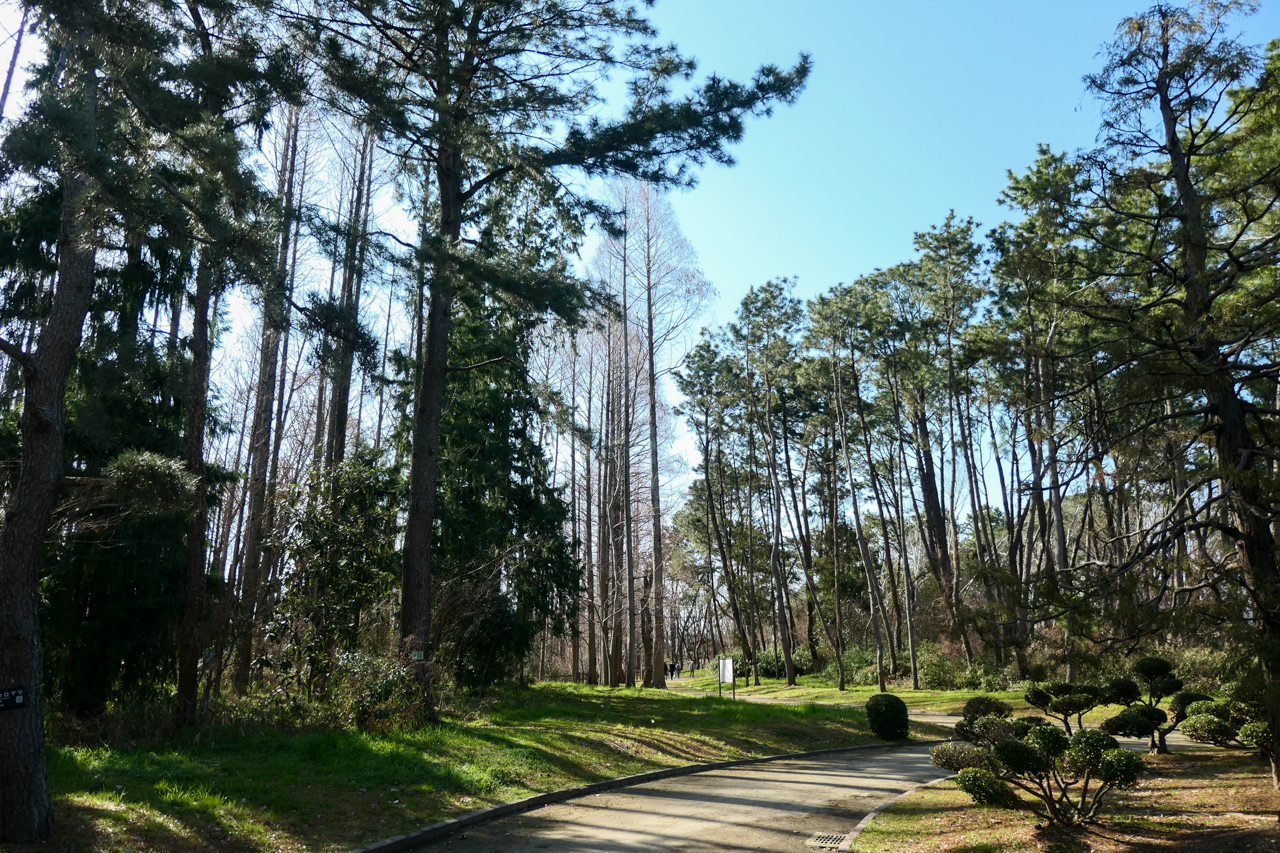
(427, 834)
(847, 844)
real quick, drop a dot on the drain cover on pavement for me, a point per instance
(826, 842)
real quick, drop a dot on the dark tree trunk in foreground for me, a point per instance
(25, 810)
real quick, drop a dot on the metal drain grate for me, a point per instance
(826, 842)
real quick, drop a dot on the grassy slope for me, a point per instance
(334, 791)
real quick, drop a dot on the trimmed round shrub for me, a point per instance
(1152, 668)
(1050, 740)
(887, 716)
(1022, 759)
(1037, 697)
(986, 788)
(1206, 728)
(1221, 710)
(1128, 724)
(986, 706)
(1180, 704)
(1257, 735)
(1075, 703)
(1123, 691)
(1058, 689)
(1021, 726)
(1121, 768)
(1155, 716)
(989, 730)
(1087, 747)
(1162, 687)
(957, 755)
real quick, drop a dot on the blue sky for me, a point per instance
(913, 108)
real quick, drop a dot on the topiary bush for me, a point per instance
(1238, 720)
(887, 716)
(1068, 777)
(957, 755)
(987, 789)
(1207, 728)
(984, 706)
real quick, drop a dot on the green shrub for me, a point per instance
(957, 755)
(1180, 704)
(1123, 691)
(1020, 727)
(986, 706)
(1068, 776)
(1128, 724)
(1206, 728)
(887, 716)
(1050, 740)
(1257, 735)
(1221, 710)
(937, 670)
(1120, 768)
(988, 730)
(987, 789)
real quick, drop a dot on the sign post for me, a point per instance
(726, 674)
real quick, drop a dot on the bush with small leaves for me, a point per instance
(1037, 697)
(1221, 710)
(1120, 768)
(1086, 750)
(984, 730)
(1156, 716)
(887, 716)
(1022, 759)
(1021, 726)
(1068, 776)
(1151, 668)
(957, 755)
(1050, 740)
(1238, 719)
(986, 706)
(1206, 728)
(987, 789)
(1123, 691)
(1128, 724)
(1180, 705)
(1156, 681)
(1257, 735)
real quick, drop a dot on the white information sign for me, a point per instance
(726, 670)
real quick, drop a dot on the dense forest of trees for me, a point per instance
(300, 375)
(276, 279)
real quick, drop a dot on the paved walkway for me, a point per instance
(776, 806)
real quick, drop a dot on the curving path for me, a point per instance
(776, 806)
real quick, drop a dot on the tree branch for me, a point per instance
(16, 353)
(477, 365)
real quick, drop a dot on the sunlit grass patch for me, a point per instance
(330, 791)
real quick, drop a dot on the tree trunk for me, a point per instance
(191, 633)
(655, 500)
(26, 813)
(424, 471)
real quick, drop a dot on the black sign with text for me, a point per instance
(13, 698)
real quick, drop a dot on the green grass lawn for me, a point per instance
(813, 688)
(225, 790)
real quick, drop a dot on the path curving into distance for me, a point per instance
(775, 806)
